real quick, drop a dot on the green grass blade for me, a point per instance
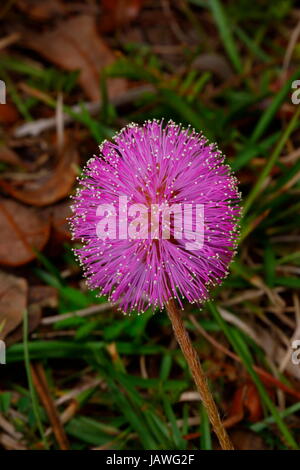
(178, 440)
(257, 427)
(252, 46)
(225, 33)
(272, 160)
(34, 400)
(270, 112)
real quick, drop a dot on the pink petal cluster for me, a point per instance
(151, 164)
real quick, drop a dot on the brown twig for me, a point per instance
(91, 310)
(193, 361)
(35, 128)
(40, 382)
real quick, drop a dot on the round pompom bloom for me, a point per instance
(168, 217)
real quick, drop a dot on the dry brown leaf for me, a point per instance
(118, 12)
(13, 301)
(41, 11)
(34, 318)
(59, 218)
(50, 188)
(243, 439)
(23, 231)
(38, 298)
(43, 296)
(8, 114)
(75, 45)
(9, 156)
(247, 401)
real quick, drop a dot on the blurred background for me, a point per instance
(78, 374)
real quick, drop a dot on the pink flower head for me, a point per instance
(128, 251)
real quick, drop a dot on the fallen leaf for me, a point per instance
(38, 298)
(252, 403)
(8, 114)
(246, 402)
(43, 296)
(23, 231)
(59, 219)
(41, 11)
(13, 301)
(243, 439)
(75, 45)
(215, 63)
(118, 12)
(50, 188)
(34, 317)
(9, 156)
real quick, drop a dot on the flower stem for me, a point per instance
(193, 361)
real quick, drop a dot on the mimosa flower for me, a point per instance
(156, 165)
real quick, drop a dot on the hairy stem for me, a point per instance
(193, 361)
